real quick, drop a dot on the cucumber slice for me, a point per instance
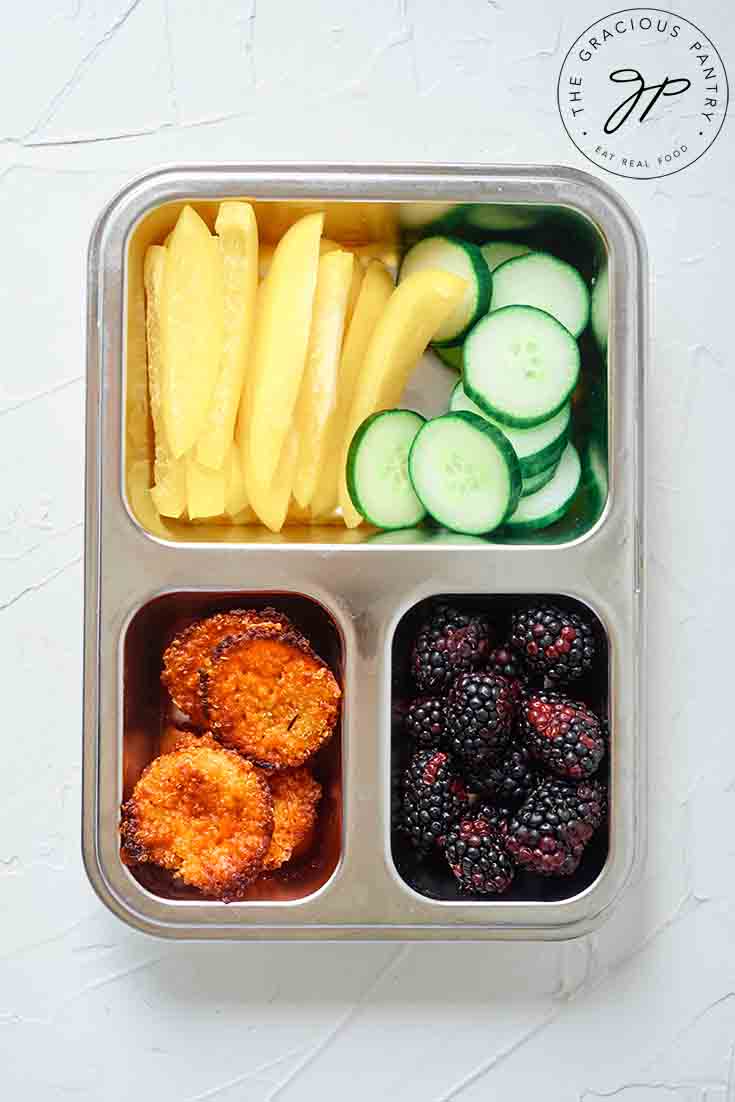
(377, 469)
(549, 457)
(599, 313)
(537, 481)
(450, 254)
(457, 539)
(465, 472)
(415, 216)
(597, 467)
(497, 252)
(450, 354)
(537, 448)
(502, 217)
(549, 504)
(520, 365)
(401, 536)
(458, 401)
(549, 284)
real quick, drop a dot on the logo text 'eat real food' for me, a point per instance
(643, 93)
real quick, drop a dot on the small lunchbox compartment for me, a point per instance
(151, 722)
(428, 873)
(570, 253)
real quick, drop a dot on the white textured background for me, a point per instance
(97, 91)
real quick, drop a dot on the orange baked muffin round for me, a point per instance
(296, 796)
(191, 648)
(176, 738)
(266, 694)
(205, 814)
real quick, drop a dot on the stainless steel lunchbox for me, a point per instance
(350, 589)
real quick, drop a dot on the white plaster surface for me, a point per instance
(98, 91)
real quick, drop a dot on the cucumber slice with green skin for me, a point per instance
(550, 503)
(597, 470)
(450, 354)
(465, 472)
(537, 448)
(497, 252)
(537, 481)
(600, 309)
(416, 216)
(549, 457)
(450, 254)
(457, 539)
(520, 365)
(502, 217)
(398, 536)
(544, 281)
(377, 469)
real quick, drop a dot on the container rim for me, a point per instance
(106, 599)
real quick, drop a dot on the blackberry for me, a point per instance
(587, 804)
(495, 815)
(425, 721)
(509, 665)
(480, 709)
(548, 833)
(433, 797)
(449, 643)
(505, 661)
(561, 733)
(507, 782)
(477, 858)
(554, 644)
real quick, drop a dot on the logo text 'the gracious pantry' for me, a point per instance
(643, 93)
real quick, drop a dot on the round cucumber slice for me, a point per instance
(459, 401)
(401, 536)
(549, 504)
(450, 354)
(415, 216)
(465, 472)
(520, 365)
(537, 481)
(502, 217)
(377, 469)
(600, 308)
(497, 252)
(549, 457)
(457, 539)
(450, 254)
(537, 448)
(544, 281)
(597, 468)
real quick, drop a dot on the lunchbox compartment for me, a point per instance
(432, 877)
(380, 226)
(147, 709)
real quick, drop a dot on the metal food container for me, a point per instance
(350, 590)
